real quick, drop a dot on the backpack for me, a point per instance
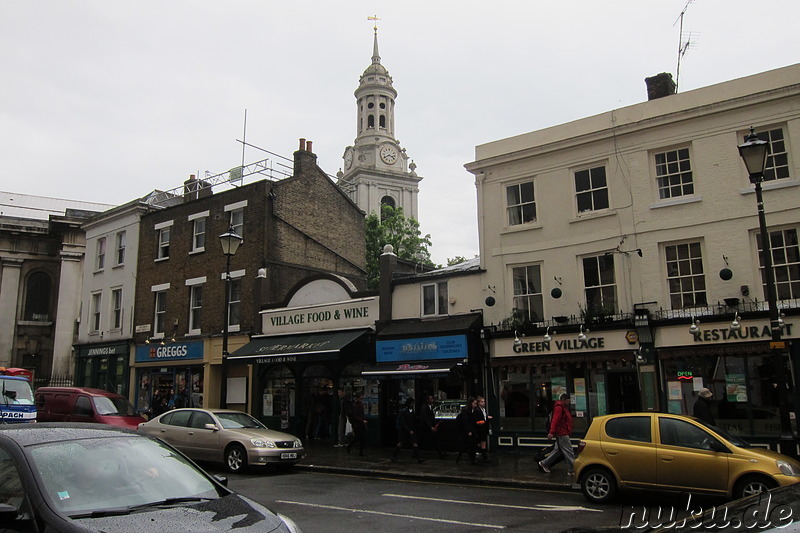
(549, 420)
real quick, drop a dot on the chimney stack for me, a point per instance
(660, 85)
(304, 159)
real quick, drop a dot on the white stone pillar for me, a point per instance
(67, 312)
(9, 296)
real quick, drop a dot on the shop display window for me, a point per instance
(278, 399)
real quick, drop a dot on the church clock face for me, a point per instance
(389, 155)
(348, 158)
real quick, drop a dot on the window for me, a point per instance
(600, 284)
(37, 298)
(520, 204)
(785, 263)
(528, 292)
(116, 308)
(629, 428)
(120, 248)
(777, 157)
(163, 243)
(237, 222)
(434, 299)
(160, 313)
(198, 234)
(94, 319)
(674, 174)
(591, 189)
(100, 261)
(235, 302)
(687, 283)
(683, 434)
(195, 308)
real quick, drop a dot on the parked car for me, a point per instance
(666, 452)
(89, 477)
(82, 404)
(233, 438)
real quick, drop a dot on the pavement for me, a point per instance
(505, 468)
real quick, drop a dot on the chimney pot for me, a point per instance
(308, 147)
(302, 144)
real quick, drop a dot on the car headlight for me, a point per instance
(298, 443)
(262, 443)
(788, 469)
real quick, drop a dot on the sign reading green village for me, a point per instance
(339, 315)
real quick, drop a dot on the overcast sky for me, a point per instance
(106, 100)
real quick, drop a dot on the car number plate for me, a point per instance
(289, 455)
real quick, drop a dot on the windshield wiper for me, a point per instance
(99, 513)
(170, 501)
(121, 511)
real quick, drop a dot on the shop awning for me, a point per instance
(436, 326)
(303, 346)
(436, 369)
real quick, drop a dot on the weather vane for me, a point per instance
(374, 18)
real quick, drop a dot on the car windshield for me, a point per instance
(87, 475)
(113, 406)
(15, 391)
(238, 420)
(736, 441)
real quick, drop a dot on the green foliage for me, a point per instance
(457, 260)
(402, 233)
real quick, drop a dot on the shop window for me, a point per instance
(515, 399)
(279, 393)
(37, 297)
(528, 293)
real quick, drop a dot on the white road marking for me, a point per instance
(412, 517)
(567, 508)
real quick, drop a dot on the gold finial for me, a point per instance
(375, 19)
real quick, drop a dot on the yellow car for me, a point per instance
(666, 452)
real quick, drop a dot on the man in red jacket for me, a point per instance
(561, 429)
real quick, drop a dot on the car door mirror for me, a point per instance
(212, 427)
(8, 513)
(222, 480)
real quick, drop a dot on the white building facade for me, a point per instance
(642, 212)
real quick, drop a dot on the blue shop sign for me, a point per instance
(422, 349)
(151, 353)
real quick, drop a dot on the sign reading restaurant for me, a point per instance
(361, 312)
(720, 333)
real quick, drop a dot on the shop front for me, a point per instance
(741, 369)
(169, 375)
(414, 358)
(104, 366)
(305, 355)
(599, 373)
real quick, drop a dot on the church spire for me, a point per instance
(376, 57)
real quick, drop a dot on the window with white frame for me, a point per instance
(777, 166)
(198, 221)
(94, 320)
(528, 292)
(674, 174)
(234, 303)
(434, 299)
(100, 262)
(600, 284)
(785, 263)
(195, 308)
(120, 248)
(237, 221)
(116, 308)
(163, 243)
(160, 312)
(685, 277)
(591, 189)
(520, 203)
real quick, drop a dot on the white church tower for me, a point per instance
(376, 169)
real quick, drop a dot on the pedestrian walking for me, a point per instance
(560, 429)
(483, 428)
(359, 422)
(466, 430)
(702, 407)
(407, 435)
(429, 429)
(343, 406)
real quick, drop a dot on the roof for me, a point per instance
(433, 326)
(42, 207)
(43, 432)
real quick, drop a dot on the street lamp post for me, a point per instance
(754, 153)
(230, 242)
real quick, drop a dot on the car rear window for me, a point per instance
(629, 428)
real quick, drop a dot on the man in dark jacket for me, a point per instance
(702, 407)
(407, 431)
(561, 429)
(359, 422)
(428, 426)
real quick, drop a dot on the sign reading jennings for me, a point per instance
(421, 349)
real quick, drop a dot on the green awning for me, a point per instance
(305, 346)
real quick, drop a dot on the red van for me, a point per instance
(80, 404)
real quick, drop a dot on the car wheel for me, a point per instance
(750, 485)
(598, 485)
(235, 458)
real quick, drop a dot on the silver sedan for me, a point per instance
(233, 438)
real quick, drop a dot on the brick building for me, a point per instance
(293, 229)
